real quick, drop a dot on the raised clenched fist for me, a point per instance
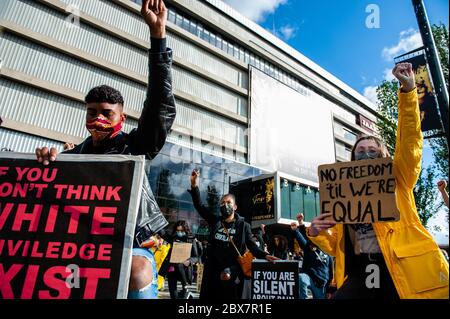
(154, 13)
(195, 178)
(405, 74)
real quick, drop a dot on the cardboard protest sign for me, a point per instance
(66, 229)
(200, 269)
(359, 191)
(278, 280)
(180, 252)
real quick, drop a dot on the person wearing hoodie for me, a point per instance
(222, 276)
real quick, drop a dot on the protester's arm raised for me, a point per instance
(196, 199)
(409, 139)
(159, 109)
(301, 240)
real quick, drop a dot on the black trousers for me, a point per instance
(215, 289)
(361, 279)
(179, 274)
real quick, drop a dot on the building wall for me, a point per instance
(53, 51)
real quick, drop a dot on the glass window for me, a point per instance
(219, 41)
(257, 62)
(309, 206)
(343, 151)
(205, 35)
(296, 201)
(246, 56)
(285, 201)
(230, 48)
(186, 23)
(199, 30)
(317, 203)
(171, 16)
(179, 20)
(193, 27)
(212, 39)
(271, 70)
(267, 68)
(236, 52)
(277, 74)
(224, 45)
(252, 59)
(349, 135)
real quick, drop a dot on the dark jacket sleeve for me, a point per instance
(302, 229)
(196, 252)
(200, 208)
(330, 274)
(251, 245)
(303, 243)
(167, 236)
(159, 112)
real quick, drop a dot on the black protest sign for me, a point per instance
(255, 198)
(429, 115)
(359, 191)
(263, 202)
(275, 280)
(66, 229)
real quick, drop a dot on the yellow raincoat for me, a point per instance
(416, 264)
(160, 255)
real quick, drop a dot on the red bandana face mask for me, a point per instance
(101, 128)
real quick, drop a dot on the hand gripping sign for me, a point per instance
(66, 229)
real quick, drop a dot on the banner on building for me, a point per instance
(359, 191)
(255, 198)
(66, 229)
(275, 280)
(287, 126)
(430, 120)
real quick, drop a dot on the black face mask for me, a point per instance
(226, 211)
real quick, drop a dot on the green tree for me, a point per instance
(425, 195)
(425, 190)
(387, 108)
(440, 35)
(439, 145)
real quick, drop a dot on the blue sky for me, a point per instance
(333, 34)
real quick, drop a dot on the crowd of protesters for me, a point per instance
(333, 258)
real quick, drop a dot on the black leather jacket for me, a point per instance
(147, 139)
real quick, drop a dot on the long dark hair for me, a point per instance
(183, 224)
(384, 151)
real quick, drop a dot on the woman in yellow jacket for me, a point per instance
(410, 264)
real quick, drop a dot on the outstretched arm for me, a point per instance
(302, 241)
(197, 201)
(159, 111)
(409, 139)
